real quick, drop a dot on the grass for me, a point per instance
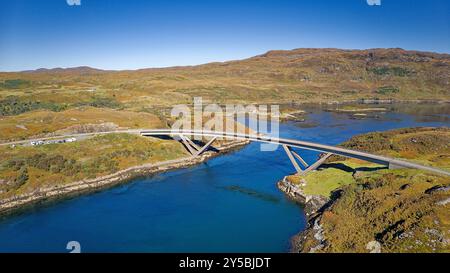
(14, 84)
(396, 208)
(324, 182)
(392, 208)
(301, 75)
(57, 164)
(354, 108)
(42, 122)
(427, 146)
(329, 178)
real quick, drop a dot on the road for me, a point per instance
(27, 142)
(386, 161)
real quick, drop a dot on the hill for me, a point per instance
(300, 75)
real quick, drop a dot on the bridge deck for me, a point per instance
(386, 161)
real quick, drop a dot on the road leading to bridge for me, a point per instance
(386, 161)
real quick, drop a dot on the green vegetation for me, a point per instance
(403, 210)
(427, 146)
(394, 71)
(13, 105)
(26, 169)
(102, 102)
(14, 84)
(22, 177)
(357, 109)
(300, 75)
(386, 90)
(330, 178)
(393, 208)
(78, 120)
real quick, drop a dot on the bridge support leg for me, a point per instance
(195, 146)
(207, 145)
(300, 159)
(317, 164)
(187, 145)
(291, 157)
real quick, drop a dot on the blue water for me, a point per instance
(228, 204)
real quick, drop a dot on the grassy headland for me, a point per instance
(403, 210)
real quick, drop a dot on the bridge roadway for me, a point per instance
(386, 161)
(286, 143)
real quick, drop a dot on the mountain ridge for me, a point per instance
(270, 53)
(277, 76)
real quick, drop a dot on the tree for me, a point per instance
(22, 178)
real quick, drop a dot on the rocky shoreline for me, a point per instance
(23, 202)
(313, 205)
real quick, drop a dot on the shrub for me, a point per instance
(13, 105)
(14, 84)
(102, 102)
(384, 90)
(22, 178)
(392, 71)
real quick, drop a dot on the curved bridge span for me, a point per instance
(287, 145)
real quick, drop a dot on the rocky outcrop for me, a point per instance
(311, 203)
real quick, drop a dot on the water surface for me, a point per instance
(228, 204)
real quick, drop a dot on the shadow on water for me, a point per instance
(433, 118)
(303, 124)
(251, 192)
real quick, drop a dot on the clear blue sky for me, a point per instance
(130, 34)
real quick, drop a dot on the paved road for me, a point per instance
(60, 137)
(386, 161)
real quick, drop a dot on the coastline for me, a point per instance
(313, 205)
(17, 204)
(348, 219)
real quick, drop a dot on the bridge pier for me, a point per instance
(287, 144)
(300, 159)
(318, 163)
(293, 155)
(207, 145)
(193, 148)
(292, 159)
(188, 145)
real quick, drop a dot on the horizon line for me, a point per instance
(46, 69)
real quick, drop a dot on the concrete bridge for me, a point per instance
(287, 144)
